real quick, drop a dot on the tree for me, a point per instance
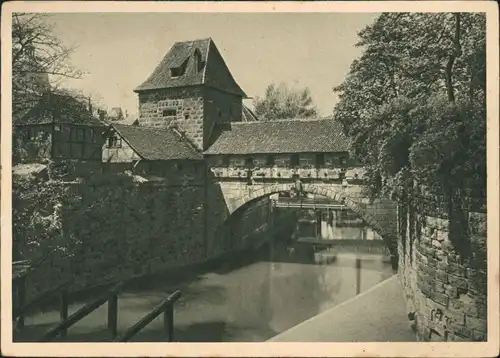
(37, 53)
(414, 105)
(416, 97)
(283, 102)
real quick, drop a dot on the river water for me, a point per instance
(258, 295)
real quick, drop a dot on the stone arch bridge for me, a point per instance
(379, 214)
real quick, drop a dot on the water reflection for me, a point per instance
(279, 286)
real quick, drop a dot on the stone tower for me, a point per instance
(191, 90)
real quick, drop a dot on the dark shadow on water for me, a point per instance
(33, 333)
(198, 332)
(214, 331)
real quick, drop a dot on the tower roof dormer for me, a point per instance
(192, 63)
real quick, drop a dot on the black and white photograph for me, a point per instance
(193, 173)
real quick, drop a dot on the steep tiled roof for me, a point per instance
(281, 136)
(156, 143)
(56, 108)
(214, 73)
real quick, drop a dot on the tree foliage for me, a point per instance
(37, 53)
(414, 102)
(284, 102)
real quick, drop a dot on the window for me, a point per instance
(32, 133)
(169, 113)
(270, 160)
(249, 161)
(343, 160)
(176, 72)
(178, 166)
(90, 135)
(225, 160)
(198, 61)
(320, 159)
(186, 116)
(80, 134)
(294, 160)
(114, 142)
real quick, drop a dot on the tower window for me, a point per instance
(176, 72)
(169, 112)
(198, 61)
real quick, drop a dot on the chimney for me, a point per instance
(102, 114)
(90, 108)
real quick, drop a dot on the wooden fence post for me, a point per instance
(168, 321)
(21, 300)
(64, 306)
(113, 315)
(358, 275)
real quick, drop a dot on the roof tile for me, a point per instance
(281, 136)
(157, 143)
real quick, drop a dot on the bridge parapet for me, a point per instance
(351, 174)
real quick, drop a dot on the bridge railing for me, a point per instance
(349, 174)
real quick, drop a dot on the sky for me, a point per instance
(118, 51)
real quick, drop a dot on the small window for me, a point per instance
(294, 160)
(178, 166)
(32, 133)
(176, 72)
(343, 160)
(114, 142)
(320, 160)
(198, 61)
(169, 112)
(80, 134)
(249, 161)
(225, 160)
(270, 160)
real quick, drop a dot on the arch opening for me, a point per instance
(340, 196)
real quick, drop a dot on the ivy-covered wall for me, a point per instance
(444, 285)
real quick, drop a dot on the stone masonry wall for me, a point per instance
(123, 231)
(447, 294)
(174, 107)
(219, 107)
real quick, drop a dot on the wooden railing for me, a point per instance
(166, 307)
(22, 309)
(111, 297)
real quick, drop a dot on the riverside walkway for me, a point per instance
(376, 315)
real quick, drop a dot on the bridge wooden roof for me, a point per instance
(281, 136)
(157, 143)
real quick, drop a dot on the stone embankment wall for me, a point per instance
(114, 231)
(445, 291)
